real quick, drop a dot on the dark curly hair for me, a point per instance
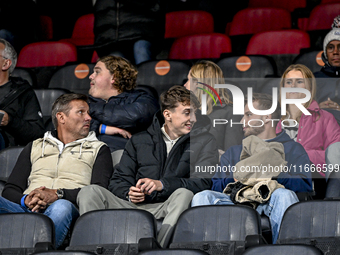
(124, 73)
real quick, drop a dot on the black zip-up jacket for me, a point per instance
(25, 118)
(128, 20)
(145, 156)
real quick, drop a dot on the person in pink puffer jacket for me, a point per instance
(314, 132)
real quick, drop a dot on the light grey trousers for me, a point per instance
(94, 197)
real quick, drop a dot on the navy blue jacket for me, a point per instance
(295, 155)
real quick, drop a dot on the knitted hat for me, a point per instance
(334, 34)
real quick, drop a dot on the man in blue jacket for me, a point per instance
(296, 179)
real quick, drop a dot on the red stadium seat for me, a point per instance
(43, 54)
(288, 5)
(322, 16)
(200, 46)
(278, 42)
(182, 23)
(83, 31)
(46, 28)
(255, 20)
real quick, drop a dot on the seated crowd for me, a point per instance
(167, 143)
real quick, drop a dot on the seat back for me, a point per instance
(216, 229)
(322, 16)
(73, 77)
(61, 252)
(8, 159)
(115, 226)
(284, 4)
(312, 223)
(24, 230)
(295, 249)
(26, 74)
(255, 20)
(189, 22)
(255, 66)
(173, 252)
(310, 59)
(200, 46)
(161, 75)
(278, 42)
(46, 28)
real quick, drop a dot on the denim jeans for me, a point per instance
(278, 203)
(62, 212)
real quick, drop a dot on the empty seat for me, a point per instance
(42, 54)
(296, 249)
(284, 4)
(247, 66)
(73, 77)
(107, 231)
(173, 252)
(182, 23)
(310, 59)
(278, 42)
(163, 74)
(45, 57)
(46, 98)
(26, 74)
(83, 31)
(216, 229)
(322, 16)
(61, 252)
(200, 46)
(25, 233)
(313, 223)
(255, 20)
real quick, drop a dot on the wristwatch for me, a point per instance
(60, 193)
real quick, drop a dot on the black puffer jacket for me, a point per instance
(25, 118)
(128, 20)
(145, 156)
(328, 88)
(131, 110)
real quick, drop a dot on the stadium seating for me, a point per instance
(106, 231)
(311, 59)
(296, 249)
(216, 229)
(182, 23)
(25, 233)
(61, 252)
(46, 28)
(173, 252)
(44, 58)
(83, 31)
(284, 4)
(200, 46)
(73, 77)
(313, 223)
(163, 74)
(26, 74)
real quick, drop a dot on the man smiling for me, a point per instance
(157, 167)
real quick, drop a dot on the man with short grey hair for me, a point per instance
(20, 114)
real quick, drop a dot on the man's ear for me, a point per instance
(112, 79)
(6, 65)
(61, 117)
(167, 115)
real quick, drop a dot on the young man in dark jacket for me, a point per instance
(117, 109)
(22, 119)
(157, 170)
(293, 177)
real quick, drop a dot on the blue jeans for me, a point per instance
(278, 203)
(62, 212)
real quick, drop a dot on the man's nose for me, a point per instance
(88, 117)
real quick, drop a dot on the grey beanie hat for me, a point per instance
(334, 34)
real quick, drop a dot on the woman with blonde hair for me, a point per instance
(314, 132)
(202, 78)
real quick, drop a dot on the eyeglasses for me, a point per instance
(330, 48)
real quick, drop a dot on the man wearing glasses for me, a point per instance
(20, 114)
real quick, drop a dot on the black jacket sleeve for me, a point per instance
(17, 181)
(134, 116)
(125, 173)
(25, 124)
